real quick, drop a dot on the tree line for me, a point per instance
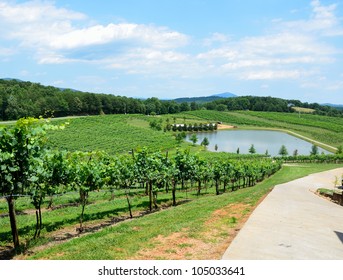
(30, 168)
(22, 99)
(269, 104)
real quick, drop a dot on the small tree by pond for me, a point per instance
(283, 151)
(194, 139)
(314, 150)
(205, 142)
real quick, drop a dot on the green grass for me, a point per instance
(100, 207)
(126, 239)
(324, 191)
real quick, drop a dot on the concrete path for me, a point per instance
(293, 223)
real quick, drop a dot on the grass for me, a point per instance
(127, 240)
(100, 208)
(323, 191)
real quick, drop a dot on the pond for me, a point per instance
(263, 140)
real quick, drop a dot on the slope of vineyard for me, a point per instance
(111, 133)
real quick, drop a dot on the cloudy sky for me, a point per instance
(173, 48)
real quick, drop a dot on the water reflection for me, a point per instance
(263, 141)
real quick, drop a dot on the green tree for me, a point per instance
(252, 149)
(194, 138)
(194, 106)
(221, 107)
(339, 150)
(283, 151)
(179, 137)
(205, 142)
(314, 150)
(184, 106)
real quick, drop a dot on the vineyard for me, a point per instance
(60, 180)
(112, 133)
(122, 133)
(30, 169)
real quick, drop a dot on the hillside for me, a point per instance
(22, 99)
(122, 133)
(205, 99)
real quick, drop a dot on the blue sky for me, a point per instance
(175, 48)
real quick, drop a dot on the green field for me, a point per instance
(112, 133)
(122, 133)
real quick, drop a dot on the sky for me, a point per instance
(291, 49)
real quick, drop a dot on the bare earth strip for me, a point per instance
(293, 223)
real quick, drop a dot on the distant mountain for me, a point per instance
(204, 99)
(11, 79)
(18, 80)
(337, 106)
(225, 95)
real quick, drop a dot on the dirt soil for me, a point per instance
(208, 244)
(225, 126)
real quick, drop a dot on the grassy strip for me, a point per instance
(126, 240)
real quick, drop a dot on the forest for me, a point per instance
(23, 99)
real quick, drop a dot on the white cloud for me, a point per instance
(35, 11)
(289, 50)
(336, 85)
(158, 37)
(272, 75)
(160, 63)
(54, 33)
(6, 52)
(216, 38)
(289, 46)
(323, 21)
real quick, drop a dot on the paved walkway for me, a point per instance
(293, 223)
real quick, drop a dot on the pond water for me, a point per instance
(263, 140)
